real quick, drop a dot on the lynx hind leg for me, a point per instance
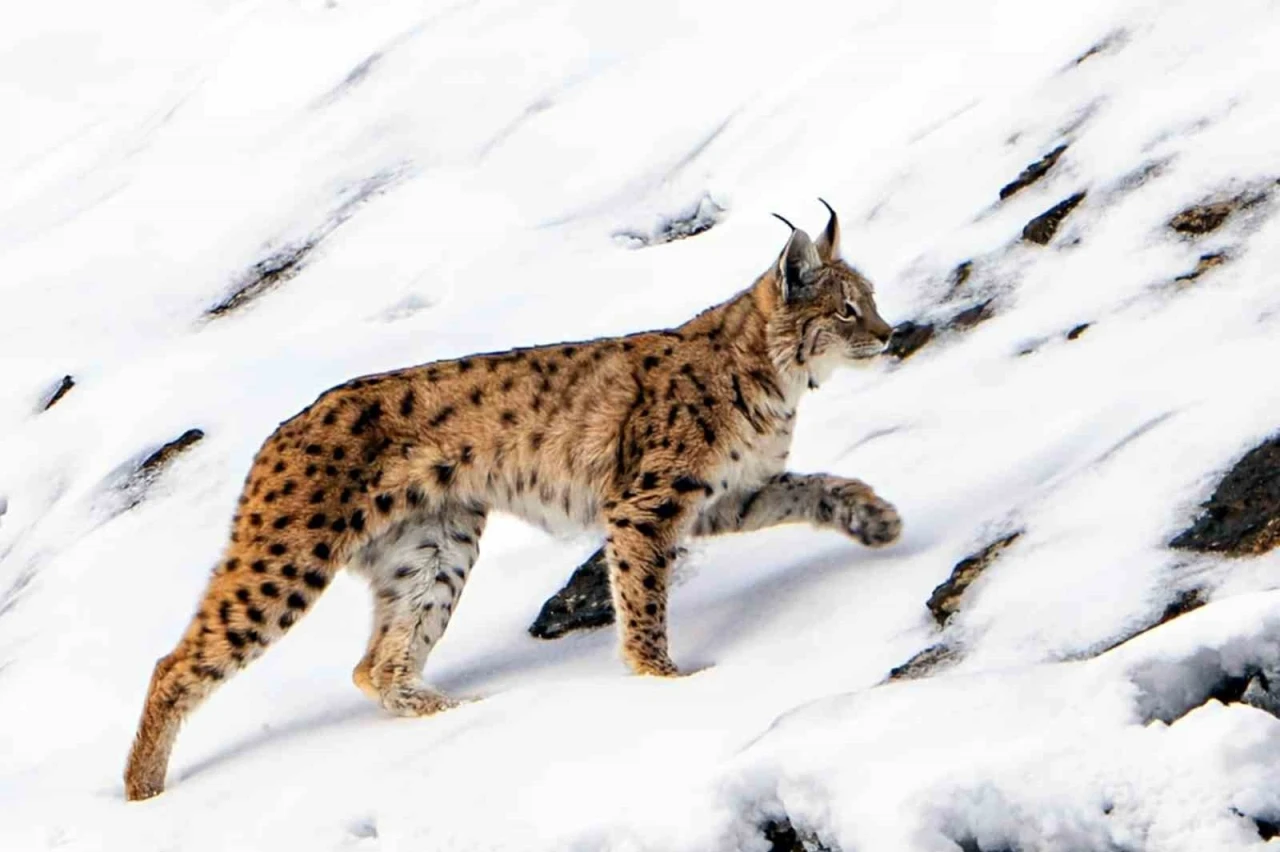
(416, 571)
(243, 612)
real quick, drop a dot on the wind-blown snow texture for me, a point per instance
(400, 182)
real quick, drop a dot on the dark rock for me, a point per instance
(945, 600)
(265, 275)
(285, 263)
(584, 603)
(699, 218)
(1242, 517)
(959, 277)
(1041, 229)
(1168, 689)
(925, 663)
(153, 463)
(970, 317)
(1202, 218)
(59, 392)
(970, 844)
(1184, 602)
(1033, 172)
(137, 482)
(1203, 265)
(1074, 334)
(1111, 40)
(783, 837)
(907, 339)
(1209, 216)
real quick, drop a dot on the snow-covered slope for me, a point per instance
(404, 181)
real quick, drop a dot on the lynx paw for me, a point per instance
(418, 701)
(866, 517)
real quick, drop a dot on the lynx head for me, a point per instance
(826, 311)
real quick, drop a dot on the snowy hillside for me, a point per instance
(214, 210)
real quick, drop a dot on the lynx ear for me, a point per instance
(796, 267)
(828, 244)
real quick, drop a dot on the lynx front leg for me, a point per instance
(847, 505)
(641, 545)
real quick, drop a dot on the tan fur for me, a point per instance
(649, 438)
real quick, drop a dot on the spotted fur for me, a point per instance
(648, 438)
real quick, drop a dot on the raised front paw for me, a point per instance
(864, 516)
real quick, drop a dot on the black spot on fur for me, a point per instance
(666, 510)
(466, 457)
(339, 453)
(370, 414)
(259, 566)
(477, 396)
(650, 609)
(255, 615)
(685, 484)
(649, 481)
(444, 473)
(296, 601)
(286, 620)
(282, 522)
(315, 579)
(465, 365)
(242, 595)
(317, 496)
(330, 418)
(384, 502)
(406, 404)
(232, 564)
(321, 550)
(650, 582)
(317, 521)
(357, 520)
(269, 589)
(441, 416)
(279, 468)
(312, 470)
(236, 639)
(509, 418)
(224, 612)
(651, 361)
(647, 529)
(277, 549)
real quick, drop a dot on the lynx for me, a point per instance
(648, 439)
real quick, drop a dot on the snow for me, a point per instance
(464, 169)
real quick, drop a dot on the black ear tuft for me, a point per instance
(829, 242)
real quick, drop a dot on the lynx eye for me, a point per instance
(855, 313)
